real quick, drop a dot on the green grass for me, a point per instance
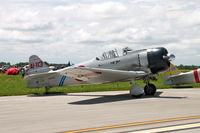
(15, 85)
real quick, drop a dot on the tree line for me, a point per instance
(58, 66)
(188, 67)
(22, 64)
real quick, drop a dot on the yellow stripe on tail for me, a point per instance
(172, 71)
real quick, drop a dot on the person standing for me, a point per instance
(23, 72)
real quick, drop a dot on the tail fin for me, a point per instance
(36, 65)
(173, 70)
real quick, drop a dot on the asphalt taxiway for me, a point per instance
(176, 110)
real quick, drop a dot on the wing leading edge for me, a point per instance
(99, 75)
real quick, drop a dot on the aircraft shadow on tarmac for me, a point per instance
(182, 87)
(48, 94)
(115, 98)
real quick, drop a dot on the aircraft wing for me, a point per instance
(100, 75)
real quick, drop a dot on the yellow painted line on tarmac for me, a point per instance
(167, 129)
(134, 124)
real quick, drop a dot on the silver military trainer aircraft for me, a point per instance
(110, 67)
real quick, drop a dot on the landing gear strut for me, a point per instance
(137, 91)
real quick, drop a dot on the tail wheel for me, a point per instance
(150, 89)
(46, 89)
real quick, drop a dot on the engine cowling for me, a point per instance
(158, 59)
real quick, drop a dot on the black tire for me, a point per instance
(150, 90)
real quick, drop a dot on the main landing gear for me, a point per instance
(150, 89)
(137, 91)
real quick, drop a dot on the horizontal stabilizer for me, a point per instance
(38, 75)
(39, 79)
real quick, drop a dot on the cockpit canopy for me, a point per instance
(108, 55)
(113, 54)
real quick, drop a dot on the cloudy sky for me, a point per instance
(78, 30)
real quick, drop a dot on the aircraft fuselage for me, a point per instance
(150, 61)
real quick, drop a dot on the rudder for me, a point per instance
(36, 65)
(173, 70)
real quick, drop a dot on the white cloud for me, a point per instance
(65, 8)
(93, 24)
(59, 31)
